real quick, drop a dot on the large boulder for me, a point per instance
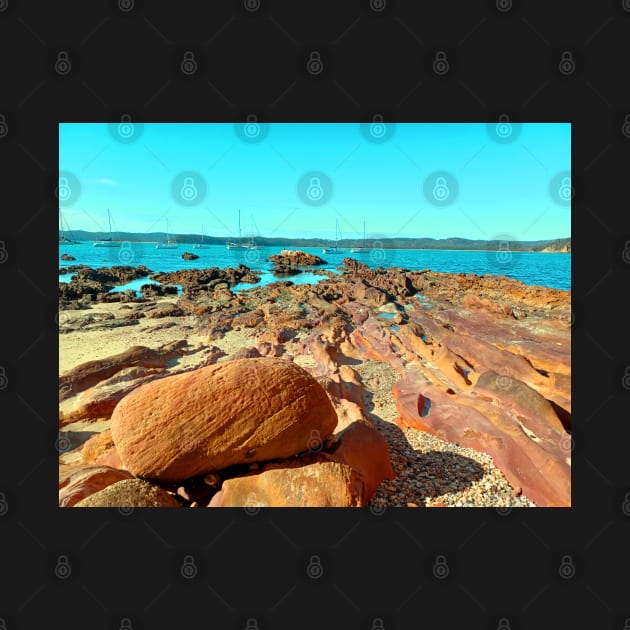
(236, 412)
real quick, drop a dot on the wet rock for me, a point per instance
(296, 257)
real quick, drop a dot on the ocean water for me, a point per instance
(548, 270)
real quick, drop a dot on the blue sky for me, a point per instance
(499, 185)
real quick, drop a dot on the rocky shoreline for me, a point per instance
(376, 388)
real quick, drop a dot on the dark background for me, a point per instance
(546, 568)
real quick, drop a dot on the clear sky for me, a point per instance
(499, 184)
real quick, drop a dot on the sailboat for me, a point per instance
(239, 244)
(201, 244)
(107, 242)
(335, 249)
(63, 230)
(361, 248)
(169, 243)
(251, 244)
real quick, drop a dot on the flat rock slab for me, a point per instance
(88, 374)
(314, 482)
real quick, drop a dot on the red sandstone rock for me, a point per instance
(111, 458)
(235, 412)
(296, 257)
(364, 449)
(310, 481)
(99, 401)
(536, 463)
(246, 353)
(268, 349)
(96, 445)
(86, 481)
(88, 374)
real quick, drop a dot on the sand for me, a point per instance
(87, 345)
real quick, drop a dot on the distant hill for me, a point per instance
(561, 245)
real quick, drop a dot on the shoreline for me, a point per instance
(378, 350)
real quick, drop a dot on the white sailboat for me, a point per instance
(361, 248)
(107, 242)
(201, 244)
(169, 243)
(336, 249)
(251, 243)
(63, 230)
(239, 244)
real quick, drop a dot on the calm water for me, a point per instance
(550, 270)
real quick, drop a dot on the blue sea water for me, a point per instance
(548, 270)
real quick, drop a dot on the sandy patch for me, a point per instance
(87, 345)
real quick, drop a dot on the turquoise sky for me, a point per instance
(501, 184)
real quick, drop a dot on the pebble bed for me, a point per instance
(430, 472)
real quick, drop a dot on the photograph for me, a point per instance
(373, 314)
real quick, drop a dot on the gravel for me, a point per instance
(430, 472)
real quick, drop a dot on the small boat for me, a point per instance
(239, 244)
(107, 242)
(169, 243)
(361, 248)
(63, 230)
(201, 244)
(335, 249)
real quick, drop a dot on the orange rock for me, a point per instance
(309, 481)
(99, 401)
(86, 481)
(536, 462)
(96, 445)
(110, 458)
(364, 449)
(88, 374)
(244, 411)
